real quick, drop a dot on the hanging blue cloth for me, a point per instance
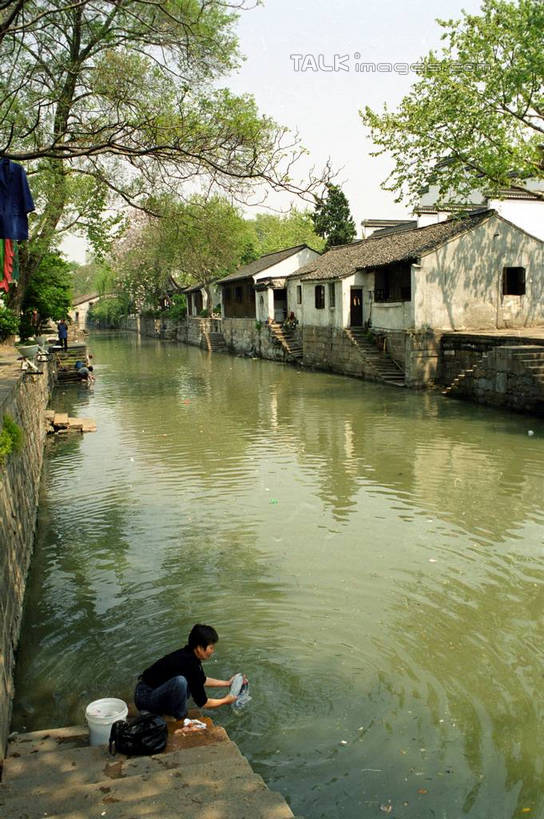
(15, 201)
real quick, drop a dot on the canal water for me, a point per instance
(371, 558)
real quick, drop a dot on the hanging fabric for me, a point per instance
(9, 263)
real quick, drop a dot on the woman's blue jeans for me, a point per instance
(169, 698)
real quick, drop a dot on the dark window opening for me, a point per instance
(513, 281)
(299, 294)
(227, 295)
(238, 291)
(319, 296)
(393, 283)
(332, 295)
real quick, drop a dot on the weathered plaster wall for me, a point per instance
(24, 398)
(459, 285)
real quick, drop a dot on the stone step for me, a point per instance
(94, 764)
(394, 382)
(74, 736)
(206, 792)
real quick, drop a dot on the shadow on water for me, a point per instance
(370, 557)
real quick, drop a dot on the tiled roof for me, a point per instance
(261, 264)
(379, 250)
(82, 299)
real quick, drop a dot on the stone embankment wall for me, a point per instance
(251, 338)
(329, 348)
(24, 398)
(496, 371)
(460, 351)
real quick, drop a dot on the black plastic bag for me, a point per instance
(145, 735)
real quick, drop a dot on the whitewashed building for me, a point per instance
(472, 273)
(263, 289)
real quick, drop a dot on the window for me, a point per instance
(238, 294)
(332, 295)
(299, 294)
(319, 296)
(227, 295)
(513, 281)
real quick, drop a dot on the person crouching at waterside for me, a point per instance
(165, 686)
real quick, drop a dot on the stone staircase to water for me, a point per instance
(525, 359)
(214, 341)
(199, 776)
(464, 375)
(287, 337)
(382, 364)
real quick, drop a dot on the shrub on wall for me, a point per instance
(11, 438)
(9, 323)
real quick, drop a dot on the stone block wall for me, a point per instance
(329, 348)
(502, 378)
(459, 351)
(24, 398)
(246, 336)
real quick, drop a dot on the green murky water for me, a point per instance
(371, 558)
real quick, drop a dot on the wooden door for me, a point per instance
(356, 311)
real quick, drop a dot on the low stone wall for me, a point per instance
(165, 329)
(24, 398)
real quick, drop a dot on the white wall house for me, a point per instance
(524, 209)
(262, 289)
(480, 272)
(80, 308)
(197, 298)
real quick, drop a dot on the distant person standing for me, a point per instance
(62, 330)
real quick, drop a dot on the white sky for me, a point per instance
(323, 106)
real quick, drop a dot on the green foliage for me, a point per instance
(11, 438)
(178, 307)
(48, 293)
(332, 218)
(474, 118)
(196, 241)
(107, 102)
(9, 322)
(108, 312)
(274, 232)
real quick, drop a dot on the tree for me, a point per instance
(111, 100)
(48, 294)
(196, 241)
(332, 218)
(475, 118)
(275, 232)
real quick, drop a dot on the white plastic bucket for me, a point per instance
(100, 716)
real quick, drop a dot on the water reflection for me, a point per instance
(371, 558)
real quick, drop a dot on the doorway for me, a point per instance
(356, 307)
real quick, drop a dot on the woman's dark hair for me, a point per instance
(202, 636)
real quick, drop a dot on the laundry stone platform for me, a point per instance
(198, 776)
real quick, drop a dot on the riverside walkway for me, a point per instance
(199, 776)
